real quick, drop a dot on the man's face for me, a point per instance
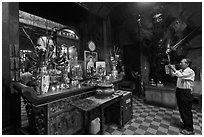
(183, 64)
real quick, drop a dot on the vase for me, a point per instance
(43, 80)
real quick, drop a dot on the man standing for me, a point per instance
(184, 95)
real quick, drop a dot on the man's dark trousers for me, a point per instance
(184, 102)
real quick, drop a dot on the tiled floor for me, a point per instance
(154, 120)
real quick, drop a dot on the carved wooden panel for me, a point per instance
(67, 122)
(64, 119)
(58, 117)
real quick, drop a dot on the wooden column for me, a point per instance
(107, 43)
(10, 37)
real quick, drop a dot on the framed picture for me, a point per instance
(101, 67)
(90, 58)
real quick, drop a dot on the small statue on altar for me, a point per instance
(90, 66)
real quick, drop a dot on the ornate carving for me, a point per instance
(64, 118)
(58, 106)
(67, 122)
(56, 117)
(37, 117)
(40, 119)
(28, 107)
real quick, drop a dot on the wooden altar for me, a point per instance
(54, 113)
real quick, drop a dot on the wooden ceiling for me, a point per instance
(66, 13)
(121, 14)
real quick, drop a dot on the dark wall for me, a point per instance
(91, 29)
(99, 31)
(10, 102)
(125, 33)
(131, 59)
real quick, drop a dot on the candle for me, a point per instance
(53, 88)
(62, 86)
(58, 87)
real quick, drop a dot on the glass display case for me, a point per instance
(48, 59)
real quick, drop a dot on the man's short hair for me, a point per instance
(188, 61)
